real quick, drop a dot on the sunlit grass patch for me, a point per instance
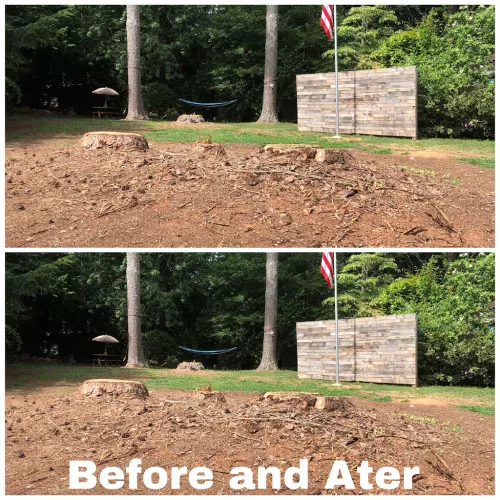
(381, 151)
(482, 410)
(26, 376)
(381, 399)
(36, 128)
(480, 162)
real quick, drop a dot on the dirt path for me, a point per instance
(187, 195)
(174, 428)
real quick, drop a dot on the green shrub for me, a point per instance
(160, 349)
(456, 338)
(13, 94)
(13, 342)
(456, 95)
(160, 101)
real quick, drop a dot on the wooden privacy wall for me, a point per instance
(379, 349)
(373, 101)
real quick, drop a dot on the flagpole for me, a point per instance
(337, 358)
(336, 73)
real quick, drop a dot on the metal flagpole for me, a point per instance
(336, 72)
(337, 358)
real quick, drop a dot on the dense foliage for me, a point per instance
(56, 303)
(455, 310)
(216, 53)
(455, 73)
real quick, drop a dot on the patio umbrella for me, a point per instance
(105, 91)
(107, 339)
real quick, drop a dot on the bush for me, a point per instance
(13, 94)
(456, 96)
(13, 342)
(456, 343)
(160, 101)
(160, 349)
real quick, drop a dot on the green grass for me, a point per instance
(481, 162)
(23, 128)
(28, 376)
(483, 410)
(381, 151)
(381, 399)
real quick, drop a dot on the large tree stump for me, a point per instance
(114, 140)
(111, 387)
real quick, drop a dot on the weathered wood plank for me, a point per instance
(379, 101)
(377, 349)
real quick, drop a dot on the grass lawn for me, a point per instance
(22, 375)
(482, 162)
(28, 128)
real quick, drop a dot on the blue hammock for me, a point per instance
(208, 104)
(220, 351)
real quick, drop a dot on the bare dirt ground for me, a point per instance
(47, 427)
(196, 195)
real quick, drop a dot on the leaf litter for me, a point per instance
(222, 431)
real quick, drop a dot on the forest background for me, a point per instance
(56, 55)
(56, 303)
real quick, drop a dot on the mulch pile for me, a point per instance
(221, 432)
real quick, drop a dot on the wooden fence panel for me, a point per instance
(378, 349)
(374, 101)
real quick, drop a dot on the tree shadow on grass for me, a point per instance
(23, 378)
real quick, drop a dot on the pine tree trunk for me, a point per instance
(269, 351)
(135, 104)
(135, 354)
(269, 112)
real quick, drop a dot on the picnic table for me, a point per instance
(106, 112)
(103, 359)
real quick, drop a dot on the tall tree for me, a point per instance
(269, 112)
(135, 104)
(269, 351)
(135, 353)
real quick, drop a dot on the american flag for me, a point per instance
(327, 20)
(326, 268)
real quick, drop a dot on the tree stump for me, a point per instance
(190, 365)
(329, 156)
(307, 399)
(287, 148)
(114, 140)
(206, 393)
(191, 118)
(297, 399)
(333, 403)
(305, 152)
(111, 387)
(293, 152)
